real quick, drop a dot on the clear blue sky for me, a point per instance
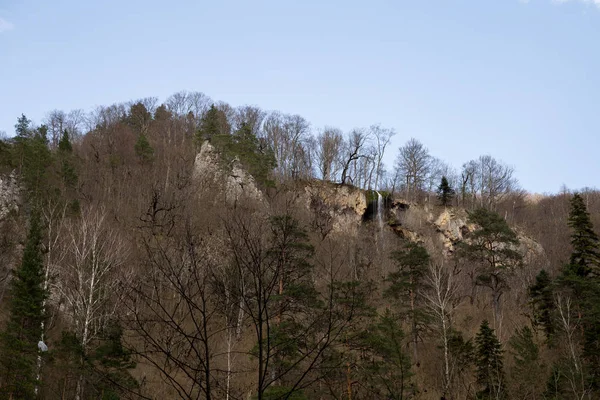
(517, 79)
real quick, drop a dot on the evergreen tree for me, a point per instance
(65, 154)
(445, 193)
(492, 248)
(388, 372)
(542, 303)
(527, 371)
(18, 342)
(211, 125)
(489, 364)
(143, 149)
(585, 258)
(406, 282)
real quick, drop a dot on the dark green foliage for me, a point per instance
(143, 149)
(282, 392)
(528, 371)
(33, 158)
(388, 371)
(445, 193)
(65, 155)
(244, 146)
(18, 342)
(492, 249)
(489, 364)
(542, 303)
(139, 118)
(64, 144)
(405, 284)
(585, 258)
(211, 125)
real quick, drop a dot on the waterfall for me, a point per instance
(380, 211)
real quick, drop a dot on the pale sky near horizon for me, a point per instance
(516, 79)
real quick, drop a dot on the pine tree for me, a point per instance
(528, 371)
(542, 303)
(210, 125)
(489, 364)
(19, 340)
(388, 372)
(585, 258)
(492, 247)
(65, 154)
(143, 149)
(406, 283)
(445, 193)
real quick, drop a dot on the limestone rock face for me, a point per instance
(453, 227)
(338, 208)
(236, 182)
(10, 192)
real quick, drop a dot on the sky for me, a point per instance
(516, 79)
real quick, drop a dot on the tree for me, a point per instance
(441, 299)
(542, 303)
(445, 192)
(528, 370)
(327, 150)
(143, 149)
(353, 151)
(92, 269)
(65, 155)
(388, 371)
(492, 247)
(489, 363)
(412, 166)
(212, 125)
(585, 258)
(406, 285)
(19, 341)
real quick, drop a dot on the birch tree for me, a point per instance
(90, 274)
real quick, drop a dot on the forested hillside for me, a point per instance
(189, 249)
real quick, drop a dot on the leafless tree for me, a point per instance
(328, 145)
(413, 165)
(442, 299)
(382, 137)
(353, 151)
(90, 273)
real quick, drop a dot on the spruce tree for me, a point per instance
(542, 303)
(445, 193)
(143, 149)
(210, 125)
(489, 364)
(492, 247)
(18, 342)
(585, 258)
(406, 283)
(65, 155)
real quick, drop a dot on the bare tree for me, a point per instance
(382, 137)
(327, 148)
(352, 152)
(413, 166)
(90, 273)
(442, 299)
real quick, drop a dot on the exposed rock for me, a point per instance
(236, 182)
(339, 208)
(9, 194)
(453, 227)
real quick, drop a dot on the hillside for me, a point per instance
(220, 253)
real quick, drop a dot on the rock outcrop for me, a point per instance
(337, 208)
(10, 192)
(235, 181)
